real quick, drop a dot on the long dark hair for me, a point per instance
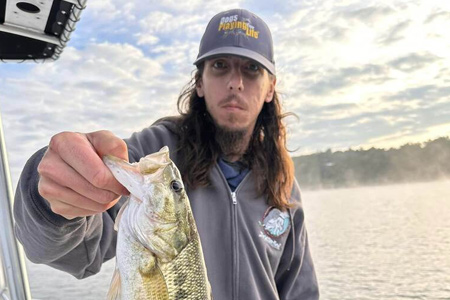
(266, 155)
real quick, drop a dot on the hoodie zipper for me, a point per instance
(235, 238)
(233, 197)
(235, 245)
(234, 233)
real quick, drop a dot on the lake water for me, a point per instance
(386, 242)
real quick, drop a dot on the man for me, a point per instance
(229, 143)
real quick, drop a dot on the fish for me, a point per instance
(158, 254)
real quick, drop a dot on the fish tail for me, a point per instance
(114, 289)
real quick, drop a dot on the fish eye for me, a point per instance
(176, 186)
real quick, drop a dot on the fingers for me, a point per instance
(68, 203)
(74, 179)
(105, 142)
(77, 151)
(54, 170)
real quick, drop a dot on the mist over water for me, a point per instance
(419, 162)
(384, 242)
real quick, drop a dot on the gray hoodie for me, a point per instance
(252, 250)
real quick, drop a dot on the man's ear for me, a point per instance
(199, 88)
(271, 90)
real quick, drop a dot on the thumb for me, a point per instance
(106, 143)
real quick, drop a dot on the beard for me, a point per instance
(231, 142)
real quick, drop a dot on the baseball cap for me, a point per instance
(238, 32)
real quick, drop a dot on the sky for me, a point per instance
(358, 74)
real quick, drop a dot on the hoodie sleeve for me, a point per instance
(77, 246)
(296, 276)
(81, 245)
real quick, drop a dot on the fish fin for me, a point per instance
(209, 289)
(119, 215)
(147, 264)
(114, 288)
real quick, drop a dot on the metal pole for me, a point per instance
(3, 289)
(11, 258)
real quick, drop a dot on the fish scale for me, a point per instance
(186, 273)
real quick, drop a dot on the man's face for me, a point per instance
(235, 90)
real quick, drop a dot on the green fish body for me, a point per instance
(158, 254)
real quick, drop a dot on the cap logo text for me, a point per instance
(231, 23)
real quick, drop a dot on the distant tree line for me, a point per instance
(411, 162)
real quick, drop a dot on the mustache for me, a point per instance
(236, 99)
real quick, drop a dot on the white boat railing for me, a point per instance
(13, 276)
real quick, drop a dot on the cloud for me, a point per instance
(114, 20)
(337, 79)
(438, 15)
(427, 94)
(395, 33)
(366, 15)
(169, 24)
(414, 61)
(360, 126)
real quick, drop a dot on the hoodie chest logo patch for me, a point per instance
(274, 224)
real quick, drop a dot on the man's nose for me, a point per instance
(235, 81)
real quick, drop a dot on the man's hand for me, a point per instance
(73, 177)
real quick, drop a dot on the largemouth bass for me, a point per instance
(158, 254)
